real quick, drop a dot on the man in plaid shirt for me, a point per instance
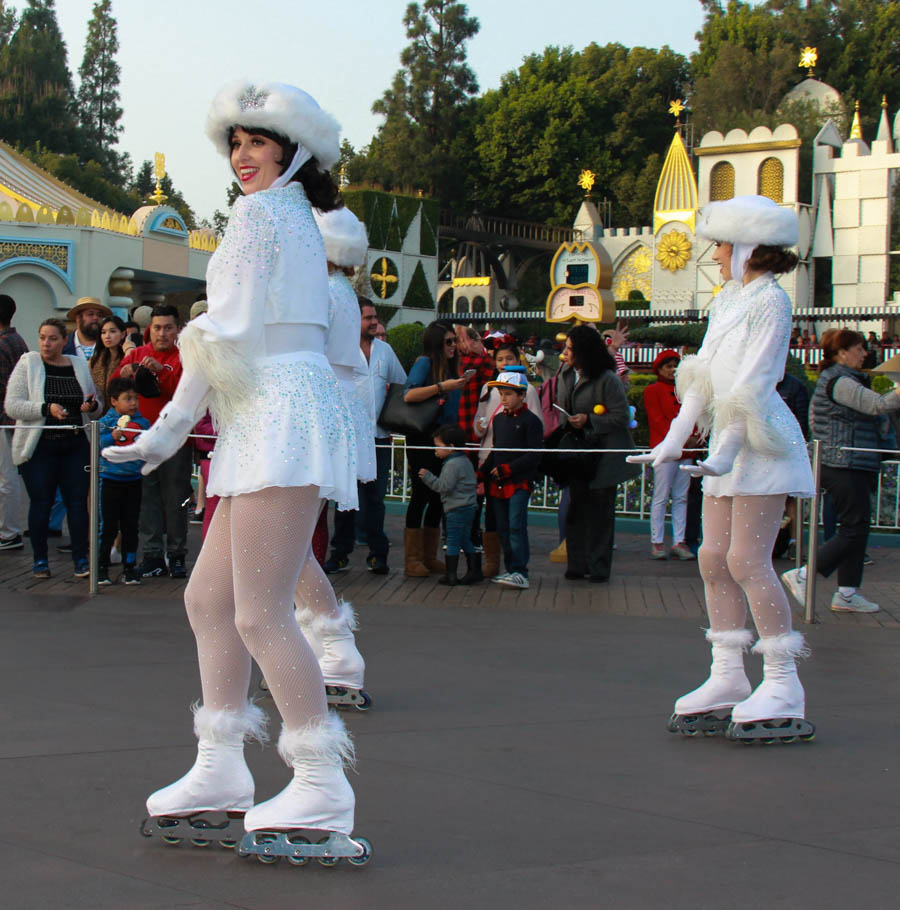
(472, 356)
(12, 347)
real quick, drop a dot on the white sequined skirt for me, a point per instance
(365, 440)
(294, 429)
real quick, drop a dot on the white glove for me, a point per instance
(680, 429)
(722, 460)
(158, 444)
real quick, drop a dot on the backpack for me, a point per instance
(547, 396)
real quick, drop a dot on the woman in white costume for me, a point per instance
(286, 441)
(329, 633)
(757, 458)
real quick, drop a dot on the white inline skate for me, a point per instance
(776, 709)
(312, 818)
(707, 709)
(343, 667)
(207, 805)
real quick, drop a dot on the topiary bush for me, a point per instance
(691, 333)
(406, 340)
(635, 394)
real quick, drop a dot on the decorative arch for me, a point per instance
(445, 304)
(721, 181)
(770, 179)
(461, 305)
(479, 305)
(634, 272)
(57, 256)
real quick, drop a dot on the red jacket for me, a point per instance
(168, 378)
(662, 408)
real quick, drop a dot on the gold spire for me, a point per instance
(159, 171)
(808, 58)
(676, 192)
(675, 109)
(884, 102)
(856, 127)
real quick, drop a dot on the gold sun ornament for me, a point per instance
(586, 180)
(808, 59)
(673, 250)
(676, 107)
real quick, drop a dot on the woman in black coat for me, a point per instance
(594, 397)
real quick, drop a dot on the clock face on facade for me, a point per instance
(580, 279)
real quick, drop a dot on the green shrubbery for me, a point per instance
(406, 340)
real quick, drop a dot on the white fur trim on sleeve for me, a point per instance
(693, 378)
(223, 366)
(743, 406)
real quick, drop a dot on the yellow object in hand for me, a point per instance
(599, 409)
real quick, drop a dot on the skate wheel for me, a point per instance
(363, 858)
(747, 742)
(808, 738)
(172, 841)
(366, 702)
(228, 844)
(297, 841)
(327, 861)
(710, 733)
(687, 732)
(767, 740)
(787, 740)
(268, 860)
(199, 842)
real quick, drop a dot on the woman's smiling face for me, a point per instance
(256, 160)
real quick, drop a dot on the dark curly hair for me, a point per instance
(590, 350)
(773, 259)
(321, 190)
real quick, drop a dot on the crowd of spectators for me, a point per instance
(486, 387)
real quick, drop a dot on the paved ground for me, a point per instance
(516, 755)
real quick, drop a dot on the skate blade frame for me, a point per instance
(337, 696)
(270, 846)
(783, 729)
(198, 829)
(709, 723)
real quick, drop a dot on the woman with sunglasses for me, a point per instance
(434, 374)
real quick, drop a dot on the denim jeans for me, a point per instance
(459, 530)
(512, 526)
(59, 463)
(371, 510)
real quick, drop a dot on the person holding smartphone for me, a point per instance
(52, 396)
(434, 374)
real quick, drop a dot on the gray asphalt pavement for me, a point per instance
(513, 758)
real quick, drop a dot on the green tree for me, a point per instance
(417, 145)
(603, 108)
(98, 93)
(747, 56)
(8, 22)
(36, 94)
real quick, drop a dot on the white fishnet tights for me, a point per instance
(736, 561)
(314, 590)
(240, 602)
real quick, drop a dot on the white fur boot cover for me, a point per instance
(727, 683)
(780, 694)
(319, 796)
(332, 640)
(219, 778)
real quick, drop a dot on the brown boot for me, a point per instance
(431, 539)
(490, 543)
(413, 566)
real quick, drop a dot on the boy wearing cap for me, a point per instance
(508, 473)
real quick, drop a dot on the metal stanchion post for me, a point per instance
(813, 532)
(798, 533)
(94, 548)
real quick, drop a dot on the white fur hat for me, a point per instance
(345, 237)
(753, 220)
(283, 109)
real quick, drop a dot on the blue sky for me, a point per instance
(175, 54)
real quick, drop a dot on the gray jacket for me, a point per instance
(456, 482)
(846, 412)
(603, 431)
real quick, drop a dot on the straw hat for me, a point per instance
(88, 303)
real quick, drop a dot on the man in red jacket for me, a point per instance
(156, 369)
(662, 407)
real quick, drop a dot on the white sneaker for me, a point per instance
(515, 580)
(115, 557)
(796, 585)
(501, 579)
(855, 603)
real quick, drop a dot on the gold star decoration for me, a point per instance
(387, 278)
(808, 58)
(676, 107)
(586, 181)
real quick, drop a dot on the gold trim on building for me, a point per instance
(748, 147)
